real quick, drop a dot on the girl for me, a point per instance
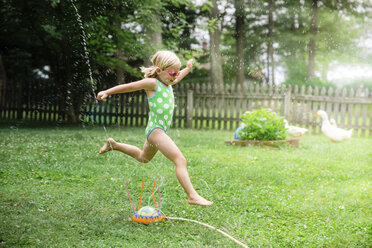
(158, 82)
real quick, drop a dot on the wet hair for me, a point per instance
(162, 60)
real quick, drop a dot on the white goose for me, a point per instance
(295, 131)
(332, 122)
(332, 132)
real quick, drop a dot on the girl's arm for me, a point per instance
(185, 71)
(148, 84)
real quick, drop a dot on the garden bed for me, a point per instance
(236, 142)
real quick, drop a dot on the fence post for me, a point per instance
(189, 109)
(287, 102)
(20, 102)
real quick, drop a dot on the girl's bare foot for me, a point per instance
(198, 200)
(108, 146)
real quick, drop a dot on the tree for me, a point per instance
(2, 82)
(313, 32)
(328, 44)
(270, 47)
(216, 74)
(239, 34)
(338, 7)
(154, 36)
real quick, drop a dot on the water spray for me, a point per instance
(86, 53)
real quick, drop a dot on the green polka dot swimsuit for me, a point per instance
(161, 108)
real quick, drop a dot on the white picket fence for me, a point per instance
(204, 106)
(222, 110)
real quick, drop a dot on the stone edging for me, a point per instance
(291, 141)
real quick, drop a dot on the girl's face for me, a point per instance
(168, 75)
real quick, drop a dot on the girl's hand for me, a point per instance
(190, 64)
(102, 95)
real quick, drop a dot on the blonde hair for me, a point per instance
(162, 60)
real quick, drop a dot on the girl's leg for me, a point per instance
(166, 146)
(144, 155)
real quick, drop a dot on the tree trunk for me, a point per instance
(71, 114)
(239, 34)
(156, 33)
(270, 47)
(313, 32)
(120, 78)
(65, 71)
(216, 75)
(19, 100)
(2, 82)
(120, 56)
(155, 36)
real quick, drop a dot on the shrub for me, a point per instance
(316, 82)
(262, 124)
(356, 83)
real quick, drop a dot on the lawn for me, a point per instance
(56, 191)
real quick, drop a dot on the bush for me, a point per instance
(356, 83)
(262, 124)
(316, 82)
(197, 76)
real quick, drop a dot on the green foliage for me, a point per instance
(335, 19)
(54, 3)
(212, 24)
(262, 124)
(316, 82)
(51, 30)
(178, 21)
(356, 83)
(206, 7)
(46, 34)
(197, 76)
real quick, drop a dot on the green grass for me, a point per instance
(56, 191)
